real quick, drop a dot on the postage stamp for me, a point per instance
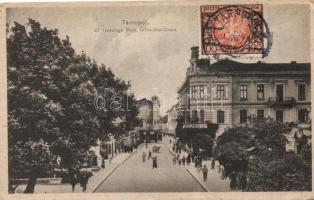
(232, 29)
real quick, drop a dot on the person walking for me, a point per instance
(85, 175)
(144, 156)
(154, 162)
(73, 180)
(238, 180)
(233, 181)
(179, 161)
(174, 160)
(213, 164)
(243, 182)
(183, 160)
(222, 171)
(205, 172)
(188, 159)
(149, 155)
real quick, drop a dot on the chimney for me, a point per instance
(194, 53)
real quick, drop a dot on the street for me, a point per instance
(135, 176)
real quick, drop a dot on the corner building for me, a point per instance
(229, 93)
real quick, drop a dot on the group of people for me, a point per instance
(177, 158)
(238, 181)
(81, 177)
(150, 156)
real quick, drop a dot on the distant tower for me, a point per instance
(194, 58)
(156, 106)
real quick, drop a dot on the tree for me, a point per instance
(51, 92)
(258, 149)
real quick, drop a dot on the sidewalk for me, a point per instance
(96, 180)
(214, 182)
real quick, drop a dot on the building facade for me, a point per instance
(145, 109)
(172, 114)
(229, 93)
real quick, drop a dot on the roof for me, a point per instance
(233, 66)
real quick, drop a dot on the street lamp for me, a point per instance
(145, 139)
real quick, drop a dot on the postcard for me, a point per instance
(156, 100)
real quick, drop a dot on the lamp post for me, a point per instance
(145, 140)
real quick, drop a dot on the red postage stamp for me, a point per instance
(232, 29)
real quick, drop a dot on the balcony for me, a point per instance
(195, 125)
(281, 102)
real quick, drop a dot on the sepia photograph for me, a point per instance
(151, 98)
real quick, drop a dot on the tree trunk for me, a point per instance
(31, 183)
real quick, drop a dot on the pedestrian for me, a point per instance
(73, 180)
(243, 182)
(233, 181)
(213, 164)
(188, 159)
(174, 160)
(85, 175)
(223, 173)
(154, 162)
(205, 171)
(183, 160)
(144, 156)
(179, 161)
(149, 154)
(238, 180)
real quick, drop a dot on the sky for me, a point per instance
(156, 62)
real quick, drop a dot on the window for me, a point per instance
(202, 91)
(243, 116)
(194, 116)
(260, 92)
(301, 92)
(260, 115)
(194, 92)
(220, 117)
(220, 91)
(302, 115)
(243, 92)
(202, 116)
(279, 115)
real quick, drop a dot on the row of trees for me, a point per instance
(258, 149)
(51, 113)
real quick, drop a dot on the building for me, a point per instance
(145, 109)
(163, 123)
(172, 114)
(156, 115)
(229, 92)
(149, 115)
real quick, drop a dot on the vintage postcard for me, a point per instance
(156, 100)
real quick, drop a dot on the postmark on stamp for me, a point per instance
(233, 29)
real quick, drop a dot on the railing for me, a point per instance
(198, 125)
(281, 102)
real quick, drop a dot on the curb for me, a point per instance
(113, 170)
(204, 188)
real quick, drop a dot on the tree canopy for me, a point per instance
(51, 92)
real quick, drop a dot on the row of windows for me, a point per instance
(302, 115)
(199, 91)
(260, 90)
